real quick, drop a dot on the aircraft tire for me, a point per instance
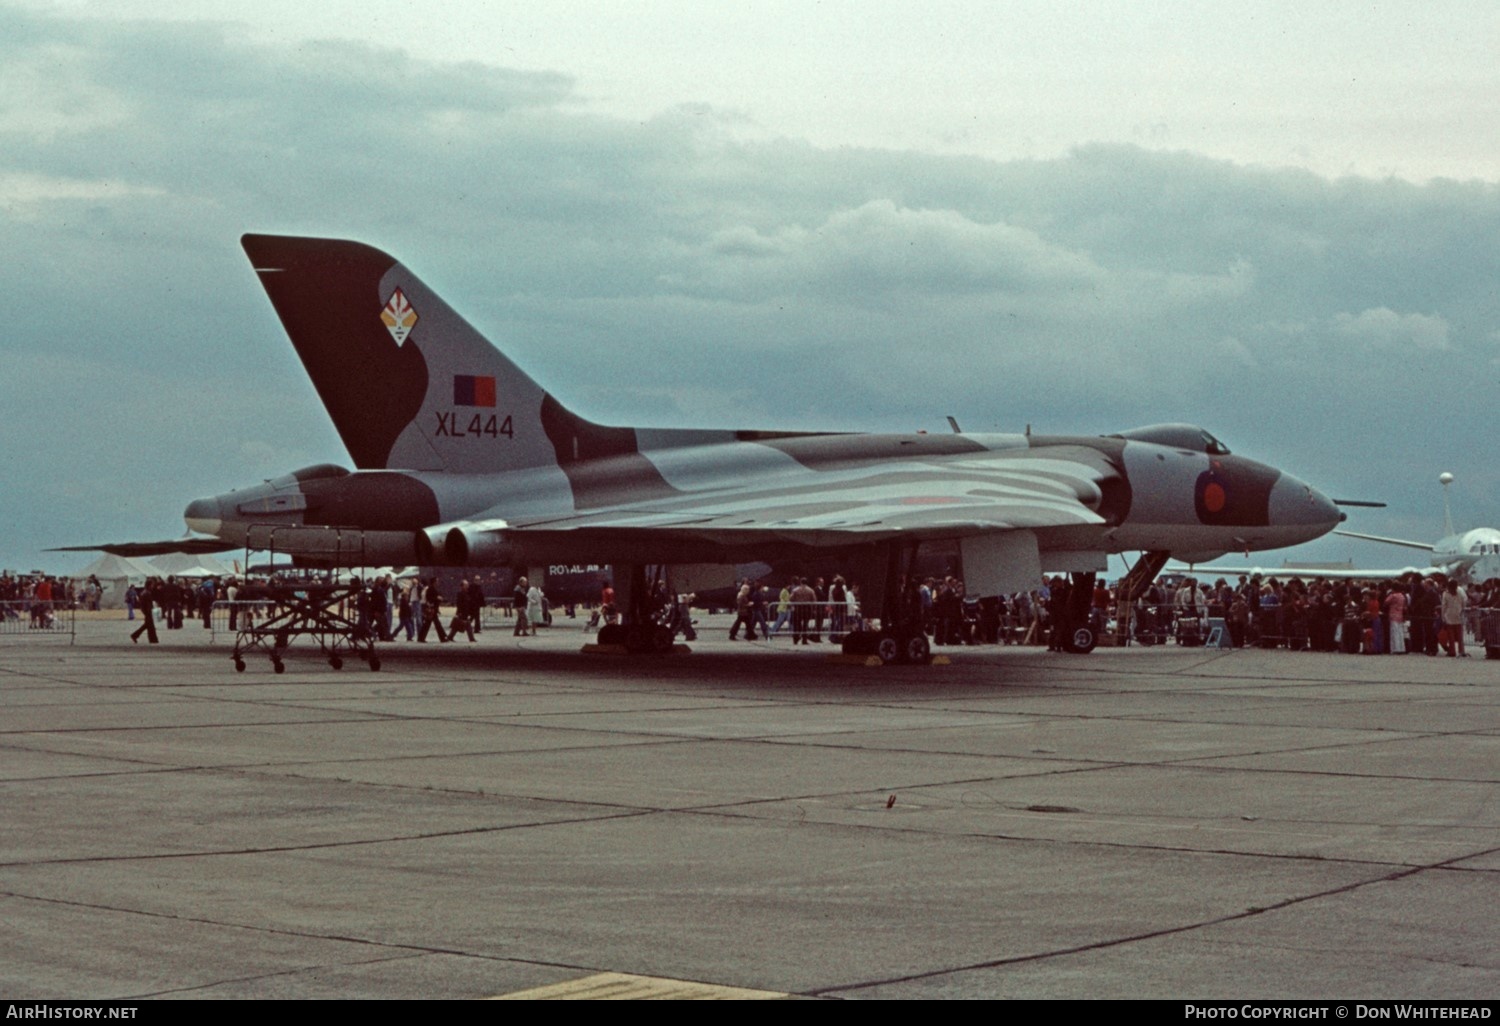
(239, 665)
(336, 662)
(1082, 640)
(889, 649)
(661, 639)
(279, 666)
(374, 664)
(638, 638)
(918, 650)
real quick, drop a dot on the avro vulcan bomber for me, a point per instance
(461, 458)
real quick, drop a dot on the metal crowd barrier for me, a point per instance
(31, 619)
(496, 610)
(1485, 627)
(230, 617)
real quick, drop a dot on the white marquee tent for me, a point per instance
(115, 574)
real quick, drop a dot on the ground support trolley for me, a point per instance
(308, 611)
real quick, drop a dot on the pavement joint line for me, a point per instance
(646, 741)
(1187, 761)
(1198, 762)
(71, 731)
(326, 845)
(1147, 935)
(730, 813)
(727, 810)
(404, 956)
(401, 946)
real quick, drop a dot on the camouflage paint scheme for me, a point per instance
(461, 457)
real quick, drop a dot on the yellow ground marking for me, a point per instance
(625, 987)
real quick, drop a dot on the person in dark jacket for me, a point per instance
(147, 602)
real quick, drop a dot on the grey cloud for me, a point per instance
(879, 248)
(1385, 329)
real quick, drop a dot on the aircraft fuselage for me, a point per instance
(1145, 496)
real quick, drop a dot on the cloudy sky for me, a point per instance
(1281, 223)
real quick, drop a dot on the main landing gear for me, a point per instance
(892, 646)
(901, 639)
(1080, 633)
(637, 638)
(641, 633)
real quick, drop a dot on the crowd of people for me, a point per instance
(1415, 614)
(35, 598)
(381, 607)
(803, 607)
(390, 609)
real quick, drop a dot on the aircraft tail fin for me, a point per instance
(409, 383)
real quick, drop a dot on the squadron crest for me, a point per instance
(399, 317)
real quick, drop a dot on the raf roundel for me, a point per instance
(1213, 497)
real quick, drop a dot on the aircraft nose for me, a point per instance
(203, 516)
(1296, 503)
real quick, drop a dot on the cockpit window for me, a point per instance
(1212, 445)
(1179, 436)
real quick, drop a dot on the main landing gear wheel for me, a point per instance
(279, 666)
(336, 662)
(611, 634)
(891, 648)
(239, 665)
(647, 638)
(661, 639)
(1082, 640)
(918, 650)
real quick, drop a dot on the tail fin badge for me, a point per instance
(399, 317)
